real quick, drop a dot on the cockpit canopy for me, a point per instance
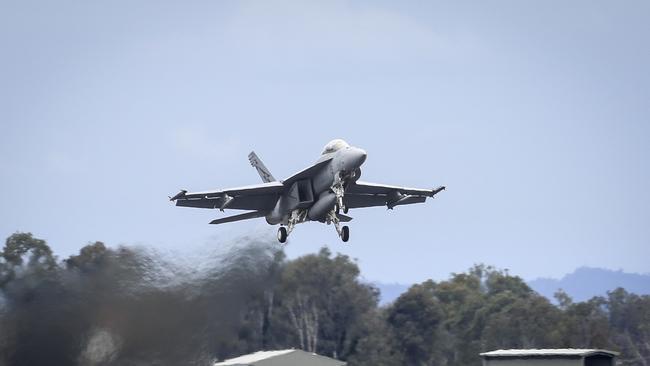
(334, 145)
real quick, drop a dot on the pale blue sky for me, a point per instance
(536, 115)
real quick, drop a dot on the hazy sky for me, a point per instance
(535, 115)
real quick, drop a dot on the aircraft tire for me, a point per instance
(345, 233)
(282, 234)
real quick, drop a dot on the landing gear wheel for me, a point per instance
(345, 233)
(282, 234)
(345, 209)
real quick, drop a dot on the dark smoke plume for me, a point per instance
(128, 306)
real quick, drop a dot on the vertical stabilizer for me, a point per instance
(261, 169)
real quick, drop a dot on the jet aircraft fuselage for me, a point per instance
(317, 193)
(337, 167)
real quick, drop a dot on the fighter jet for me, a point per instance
(317, 193)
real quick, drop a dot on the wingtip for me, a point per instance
(178, 195)
(437, 190)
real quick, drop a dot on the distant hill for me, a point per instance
(586, 282)
(583, 284)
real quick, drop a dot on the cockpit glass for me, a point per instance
(334, 145)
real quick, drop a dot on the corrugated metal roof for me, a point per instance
(575, 352)
(254, 357)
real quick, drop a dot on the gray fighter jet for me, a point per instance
(318, 193)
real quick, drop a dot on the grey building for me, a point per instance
(287, 357)
(549, 357)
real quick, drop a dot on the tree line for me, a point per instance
(132, 306)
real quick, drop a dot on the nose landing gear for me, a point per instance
(282, 234)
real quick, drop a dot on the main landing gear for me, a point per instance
(343, 231)
(297, 216)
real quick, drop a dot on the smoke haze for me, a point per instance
(128, 306)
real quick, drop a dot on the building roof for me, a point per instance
(253, 357)
(556, 352)
(281, 357)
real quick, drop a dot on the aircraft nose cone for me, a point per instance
(359, 157)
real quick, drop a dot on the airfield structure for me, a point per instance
(287, 357)
(549, 357)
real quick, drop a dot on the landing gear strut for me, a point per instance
(338, 189)
(297, 216)
(343, 231)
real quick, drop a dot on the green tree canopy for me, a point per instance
(25, 256)
(325, 302)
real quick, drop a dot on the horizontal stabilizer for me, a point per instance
(244, 216)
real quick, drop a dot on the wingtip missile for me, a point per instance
(178, 195)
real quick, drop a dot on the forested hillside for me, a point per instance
(130, 306)
(585, 283)
(582, 284)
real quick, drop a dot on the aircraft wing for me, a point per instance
(259, 197)
(308, 172)
(364, 194)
